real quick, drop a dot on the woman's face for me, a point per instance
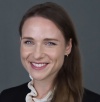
(42, 48)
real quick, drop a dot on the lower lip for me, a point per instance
(38, 68)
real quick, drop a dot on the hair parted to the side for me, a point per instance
(69, 79)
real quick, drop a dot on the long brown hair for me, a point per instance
(69, 79)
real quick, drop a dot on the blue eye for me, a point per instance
(51, 43)
(28, 42)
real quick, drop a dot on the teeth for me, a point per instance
(38, 65)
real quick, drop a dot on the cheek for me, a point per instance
(57, 55)
(57, 59)
(23, 56)
(23, 52)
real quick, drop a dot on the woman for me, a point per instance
(50, 54)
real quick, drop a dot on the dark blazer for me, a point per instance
(18, 94)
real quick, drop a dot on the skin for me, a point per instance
(42, 52)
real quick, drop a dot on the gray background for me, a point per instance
(86, 17)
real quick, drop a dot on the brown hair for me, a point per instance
(69, 79)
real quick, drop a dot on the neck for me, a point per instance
(42, 88)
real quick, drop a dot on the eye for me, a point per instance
(51, 44)
(28, 42)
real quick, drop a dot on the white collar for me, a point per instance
(30, 96)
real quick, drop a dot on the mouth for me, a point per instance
(38, 66)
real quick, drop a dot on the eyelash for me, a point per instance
(28, 42)
(51, 43)
(47, 43)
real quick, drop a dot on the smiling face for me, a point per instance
(42, 48)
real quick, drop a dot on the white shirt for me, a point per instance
(30, 97)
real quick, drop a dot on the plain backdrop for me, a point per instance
(85, 15)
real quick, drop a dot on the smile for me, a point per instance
(39, 66)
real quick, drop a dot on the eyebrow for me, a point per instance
(46, 39)
(28, 38)
(51, 39)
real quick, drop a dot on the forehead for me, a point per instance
(41, 27)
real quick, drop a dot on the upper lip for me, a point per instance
(40, 62)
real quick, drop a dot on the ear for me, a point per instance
(68, 47)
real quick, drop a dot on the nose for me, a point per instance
(38, 52)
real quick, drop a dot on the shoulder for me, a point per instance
(90, 96)
(14, 94)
